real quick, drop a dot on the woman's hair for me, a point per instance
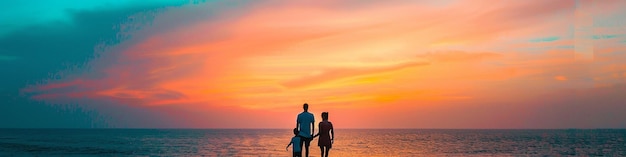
(325, 115)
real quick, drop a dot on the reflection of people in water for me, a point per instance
(295, 140)
(306, 125)
(325, 140)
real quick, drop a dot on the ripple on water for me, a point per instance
(357, 142)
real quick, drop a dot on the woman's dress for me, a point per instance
(324, 139)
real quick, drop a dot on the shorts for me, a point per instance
(297, 154)
(306, 141)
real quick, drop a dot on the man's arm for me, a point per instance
(318, 133)
(297, 121)
(312, 128)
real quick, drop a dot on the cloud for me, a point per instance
(596, 107)
(339, 73)
(560, 78)
(458, 56)
(267, 56)
(46, 51)
(55, 46)
(17, 15)
(8, 58)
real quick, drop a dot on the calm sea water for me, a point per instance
(272, 142)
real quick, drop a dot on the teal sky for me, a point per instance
(18, 14)
(42, 37)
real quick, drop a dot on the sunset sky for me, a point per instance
(370, 64)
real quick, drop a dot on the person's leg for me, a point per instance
(302, 142)
(327, 149)
(322, 150)
(306, 145)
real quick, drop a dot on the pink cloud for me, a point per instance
(269, 56)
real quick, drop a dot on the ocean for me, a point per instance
(348, 142)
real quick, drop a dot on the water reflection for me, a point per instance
(271, 142)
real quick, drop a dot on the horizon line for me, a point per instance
(188, 128)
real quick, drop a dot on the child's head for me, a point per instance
(295, 131)
(324, 115)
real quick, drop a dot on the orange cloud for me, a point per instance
(332, 74)
(560, 78)
(391, 56)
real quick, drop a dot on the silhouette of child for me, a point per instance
(295, 140)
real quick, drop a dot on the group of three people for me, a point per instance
(304, 130)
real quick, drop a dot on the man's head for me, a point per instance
(324, 115)
(305, 107)
(295, 131)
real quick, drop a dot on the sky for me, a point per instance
(370, 64)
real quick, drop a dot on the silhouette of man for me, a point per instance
(305, 123)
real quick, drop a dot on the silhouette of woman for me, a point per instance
(325, 140)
